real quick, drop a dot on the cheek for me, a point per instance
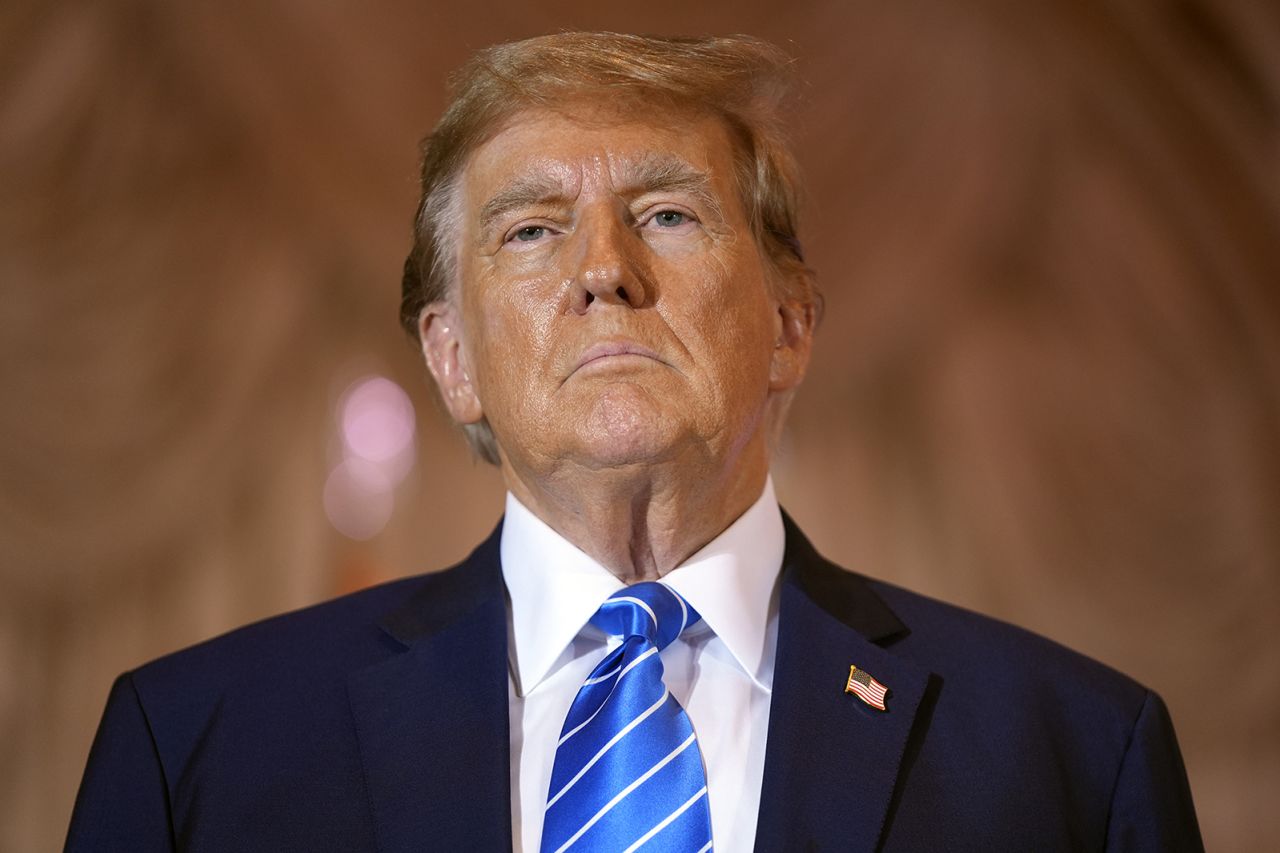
(510, 328)
(735, 315)
(750, 346)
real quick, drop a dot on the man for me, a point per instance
(610, 295)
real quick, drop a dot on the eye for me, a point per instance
(672, 220)
(669, 218)
(529, 233)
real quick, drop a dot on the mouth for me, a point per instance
(610, 351)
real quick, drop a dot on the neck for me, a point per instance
(640, 521)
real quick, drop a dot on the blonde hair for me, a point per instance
(739, 79)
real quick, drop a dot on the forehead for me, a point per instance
(592, 141)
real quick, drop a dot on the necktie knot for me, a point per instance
(649, 610)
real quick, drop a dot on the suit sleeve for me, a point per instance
(123, 802)
(1151, 807)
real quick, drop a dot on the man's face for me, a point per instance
(612, 307)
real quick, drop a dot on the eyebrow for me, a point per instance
(524, 191)
(648, 174)
(666, 173)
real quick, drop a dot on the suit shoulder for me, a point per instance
(327, 638)
(985, 654)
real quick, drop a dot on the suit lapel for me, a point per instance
(832, 762)
(431, 719)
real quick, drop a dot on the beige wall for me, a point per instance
(1048, 386)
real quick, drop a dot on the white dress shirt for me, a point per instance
(721, 670)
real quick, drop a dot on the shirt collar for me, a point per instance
(555, 588)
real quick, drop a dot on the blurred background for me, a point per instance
(1047, 387)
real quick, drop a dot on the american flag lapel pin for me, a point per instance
(866, 688)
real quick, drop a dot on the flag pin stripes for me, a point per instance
(866, 688)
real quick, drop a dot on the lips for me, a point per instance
(612, 349)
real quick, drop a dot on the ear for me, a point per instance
(793, 342)
(441, 336)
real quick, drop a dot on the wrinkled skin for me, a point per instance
(615, 322)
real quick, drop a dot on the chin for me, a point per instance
(626, 429)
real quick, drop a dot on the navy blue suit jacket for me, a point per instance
(379, 722)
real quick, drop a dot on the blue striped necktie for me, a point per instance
(628, 773)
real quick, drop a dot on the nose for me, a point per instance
(606, 265)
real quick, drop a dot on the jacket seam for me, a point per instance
(155, 747)
(1124, 759)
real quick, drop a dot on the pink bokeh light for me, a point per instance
(377, 427)
(377, 419)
